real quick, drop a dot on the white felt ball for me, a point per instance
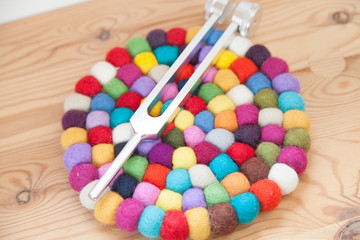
(239, 45)
(240, 95)
(122, 133)
(157, 72)
(284, 176)
(201, 176)
(85, 200)
(270, 116)
(221, 138)
(103, 72)
(76, 101)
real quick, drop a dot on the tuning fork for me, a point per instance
(244, 20)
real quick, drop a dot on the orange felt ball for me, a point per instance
(243, 68)
(156, 174)
(268, 193)
(226, 120)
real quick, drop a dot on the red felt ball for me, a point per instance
(268, 193)
(118, 57)
(174, 226)
(205, 152)
(176, 36)
(243, 68)
(195, 105)
(156, 174)
(240, 152)
(169, 127)
(88, 86)
(129, 100)
(185, 72)
(99, 134)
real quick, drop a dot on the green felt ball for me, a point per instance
(208, 91)
(136, 167)
(266, 98)
(137, 45)
(268, 152)
(115, 88)
(215, 193)
(298, 137)
(174, 138)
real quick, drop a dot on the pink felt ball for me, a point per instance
(81, 175)
(193, 136)
(128, 214)
(205, 152)
(146, 193)
(274, 66)
(273, 133)
(169, 92)
(247, 114)
(294, 157)
(105, 167)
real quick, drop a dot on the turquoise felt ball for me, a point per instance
(178, 180)
(119, 116)
(291, 100)
(223, 165)
(246, 206)
(166, 54)
(150, 221)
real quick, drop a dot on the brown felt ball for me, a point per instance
(255, 169)
(223, 219)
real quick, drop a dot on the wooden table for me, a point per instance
(42, 57)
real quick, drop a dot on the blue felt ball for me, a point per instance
(119, 116)
(165, 106)
(214, 37)
(125, 185)
(166, 54)
(102, 102)
(150, 221)
(257, 82)
(205, 121)
(222, 165)
(207, 35)
(178, 180)
(291, 100)
(246, 206)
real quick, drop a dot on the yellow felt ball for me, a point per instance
(72, 136)
(184, 158)
(106, 208)
(220, 103)
(101, 154)
(145, 61)
(226, 59)
(169, 200)
(156, 110)
(184, 120)
(236, 183)
(217, 57)
(226, 79)
(199, 223)
(296, 119)
(190, 33)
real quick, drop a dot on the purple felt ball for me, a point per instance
(248, 134)
(273, 133)
(258, 54)
(128, 73)
(274, 66)
(143, 86)
(146, 145)
(193, 198)
(203, 52)
(285, 82)
(156, 38)
(77, 154)
(81, 175)
(128, 214)
(169, 92)
(74, 118)
(247, 114)
(161, 154)
(97, 118)
(294, 157)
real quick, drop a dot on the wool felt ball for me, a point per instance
(145, 61)
(169, 127)
(190, 33)
(274, 66)
(268, 152)
(77, 154)
(193, 198)
(74, 118)
(208, 91)
(184, 158)
(176, 36)
(258, 54)
(129, 100)
(166, 54)
(220, 104)
(226, 120)
(146, 193)
(294, 157)
(220, 138)
(125, 185)
(150, 221)
(165, 106)
(215, 193)
(156, 38)
(195, 105)
(76, 101)
(119, 147)
(268, 193)
(273, 133)
(87, 202)
(204, 52)
(240, 153)
(161, 154)
(255, 169)
(118, 57)
(97, 118)
(298, 137)
(257, 82)
(128, 215)
(184, 72)
(103, 72)
(266, 98)
(178, 180)
(157, 72)
(270, 116)
(247, 114)
(243, 68)
(143, 86)
(285, 82)
(128, 73)
(226, 79)
(174, 138)
(193, 136)
(246, 206)
(285, 177)
(156, 174)
(174, 226)
(81, 175)
(223, 219)
(115, 88)
(156, 110)
(101, 154)
(137, 45)
(207, 35)
(169, 200)
(73, 136)
(296, 119)
(169, 91)
(291, 100)
(122, 133)
(104, 168)
(236, 183)
(240, 45)
(205, 121)
(88, 86)
(223, 165)
(119, 116)
(226, 59)
(205, 152)
(183, 120)
(106, 208)
(136, 167)
(146, 145)
(209, 75)
(102, 102)
(214, 37)
(240, 95)
(201, 176)
(248, 134)
(99, 134)
(199, 223)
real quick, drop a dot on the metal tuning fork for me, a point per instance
(244, 20)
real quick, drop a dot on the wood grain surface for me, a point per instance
(42, 57)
